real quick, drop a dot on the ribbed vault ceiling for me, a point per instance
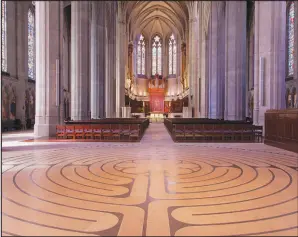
(151, 17)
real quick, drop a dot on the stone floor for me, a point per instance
(154, 187)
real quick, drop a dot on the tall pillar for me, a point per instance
(21, 72)
(130, 61)
(197, 68)
(216, 86)
(296, 53)
(183, 64)
(250, 73)
(113, 61)
(47, 15)
(120, 62)
(203, 79)
(79, 60)
(97, 59)
(107, 62)
(269, 58)
(66, 66)
(192, 63)
(221, 58)
(110, 55)
(235, 68)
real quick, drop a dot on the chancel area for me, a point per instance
(149, 118)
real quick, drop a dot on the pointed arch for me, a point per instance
(31, 44)
(141, 55)
(4, 37)
(156, 55)
(172, 55)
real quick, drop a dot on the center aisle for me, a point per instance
(156, 135)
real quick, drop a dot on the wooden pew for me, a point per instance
(212, 130)
(281, 129)
(110, 129)
(60, 131)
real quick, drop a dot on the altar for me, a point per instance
(156, 117)
(157, 95)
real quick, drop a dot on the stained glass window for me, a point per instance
(139, 59)
(290, 32)
(172, 55)
(31, 45)
(153, 60)
(156, 55)
(3, 37)
(141, 56)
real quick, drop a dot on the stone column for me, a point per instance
(197, 63)
(203, 80)
(270, 46)
(203, 93)
(97, 59)
(296, 53)
(66, 66)
(107, 62)
(207, 65)
(21, 72)
(192, 62)
(11, 21)
(113, 58)
(221, 58)
(256, 102)
(120, 62)
(47, 16)
(216, 86)
(235, 68)
(250, 72)
(130, 62)
(190, 65)
(110, 55)
(183, 63)
(79, 60)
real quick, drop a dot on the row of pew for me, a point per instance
(103, 129)
(212, 130)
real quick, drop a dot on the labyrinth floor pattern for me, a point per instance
(152, 188)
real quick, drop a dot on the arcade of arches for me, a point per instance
(204, 59)
(205, 56)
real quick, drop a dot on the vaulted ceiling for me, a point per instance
(151, 17)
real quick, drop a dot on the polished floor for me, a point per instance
(154, 187)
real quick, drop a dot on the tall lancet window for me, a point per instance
(31, 44)
(290, 37)
(3, 37)
(156, 55)
(141, 56)
(172, 55)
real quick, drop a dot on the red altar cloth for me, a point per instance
(157, 100)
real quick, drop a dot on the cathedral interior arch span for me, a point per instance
(203, 58)
(149, 118)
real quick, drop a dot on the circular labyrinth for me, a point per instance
(178, 190)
